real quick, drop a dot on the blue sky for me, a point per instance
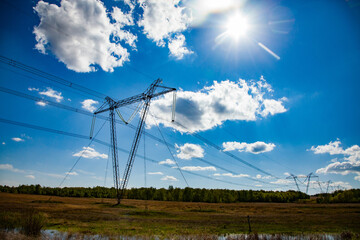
(275, 83)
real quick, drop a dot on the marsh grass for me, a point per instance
(46, 201)
(32, 222)
(151, 213)
(165, 219)
(203, 210)
(110, 205)
(10, 220)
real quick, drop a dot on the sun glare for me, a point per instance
(237, 26)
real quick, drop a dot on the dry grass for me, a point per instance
(92, 216)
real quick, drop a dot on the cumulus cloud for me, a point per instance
(189, 150)
(30, 176)
(167, 162)
(231, 175)
(350, 163)
(88, 104)
(17, 139)
(177, 47)
(11, 168)
(83, 34)
(89, 152)
(155, 173)
(33, 89)
(162, 21)
(49, 92)
(198, 168)
(331, 148)
(41, 103)
(169, 178)
(72, 173)
(215, 104)
(255, 148)
(282, 182)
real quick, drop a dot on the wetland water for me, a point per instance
(56, 235)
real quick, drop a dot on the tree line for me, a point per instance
(162, 194)
(340, 196)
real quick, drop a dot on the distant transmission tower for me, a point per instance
(308, 178)
(295, 179)
(112, 106)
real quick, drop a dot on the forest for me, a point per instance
(189, 194)
(162, 194)
(347, 196)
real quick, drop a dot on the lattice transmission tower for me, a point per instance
(112, 106)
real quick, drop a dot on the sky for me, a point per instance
(266, 91)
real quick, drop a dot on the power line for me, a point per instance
(210, 143)
(59, 105)
(81, 155)
(69, 108)
(50, 77)
(81, 88)
(103, 143)
(172, 155)
(68, 35)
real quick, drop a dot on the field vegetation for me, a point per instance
(172, 218)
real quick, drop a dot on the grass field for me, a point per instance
(97, 216)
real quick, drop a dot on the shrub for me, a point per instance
(33, 222)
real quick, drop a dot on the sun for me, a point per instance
(237, 26)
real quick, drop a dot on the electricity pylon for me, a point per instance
(112, 106)
(308, 178)
(295, 179)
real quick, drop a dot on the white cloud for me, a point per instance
(332, 148)
(213, 105)
(342, 168)
(198, 168)
(231, 175)
(30, 176)
(162, 19)
(3, 143)
(155, 173)
(88, 105)
(85, 172)
(272, 107)
(176, 47)
(350, 163)
(255, 148)
(89, 152)
(167, 162)
(97, 178)
(52, 94)
(72, 173)
(81, 34)
(341, 184)
(189, 150)
(357, 178)
(169, 178)
(54, 175)
(41, 103)
(33, 89)
(17, 139)
(282, 182)
(11, 168)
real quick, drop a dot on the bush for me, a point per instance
(33, 222)
(9, 220)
